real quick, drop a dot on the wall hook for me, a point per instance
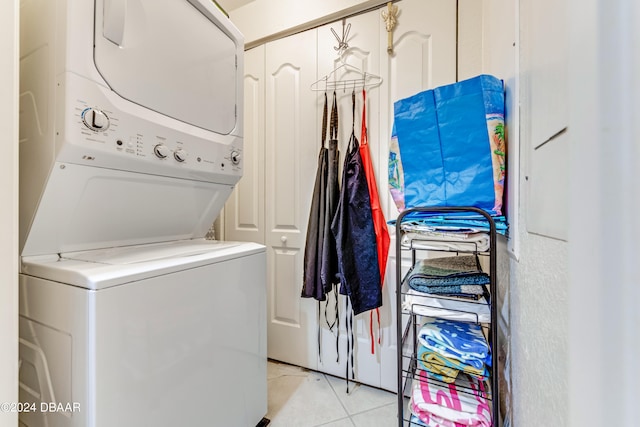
(390, 17)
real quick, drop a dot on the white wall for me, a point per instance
(262, 20)
(604, 64)
(9, 210)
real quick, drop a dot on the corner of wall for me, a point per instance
(9, 40)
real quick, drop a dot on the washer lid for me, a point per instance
(104, 268)
(178, 58)
(85, 208)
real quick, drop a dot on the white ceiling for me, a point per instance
(230, 5)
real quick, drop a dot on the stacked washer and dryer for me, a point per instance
(130, 144)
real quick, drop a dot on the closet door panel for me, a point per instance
(424, 56)
(244, 211)
(291, 155)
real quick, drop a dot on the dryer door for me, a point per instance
(175, 57)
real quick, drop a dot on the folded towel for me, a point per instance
(463, 403)
(449, 266)
(432, 306)
(446, 369)
(470, 297)
(456, 340)
(417, 421)
(439, 240)
(448, 275)
(436, 366)
(463, 291)
(453, 222)
(433, 421)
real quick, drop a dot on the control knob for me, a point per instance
(180, 155)
(161, 151)
(235, 157)
(95, 119)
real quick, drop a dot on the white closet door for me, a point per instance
(292, 144)
(244, 211)
(424, 56)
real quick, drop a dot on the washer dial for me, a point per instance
(235, 157)
(180, 155)
(95, 119)
(161, 150)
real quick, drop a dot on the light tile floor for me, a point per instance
(301, 398)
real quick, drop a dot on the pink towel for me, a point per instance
(460, 404)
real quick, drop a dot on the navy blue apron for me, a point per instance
(355, 236)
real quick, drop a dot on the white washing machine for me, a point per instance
(130, 144)
(168, 334)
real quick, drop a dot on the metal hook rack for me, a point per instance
(342, 41)
(332, 80)
(345, 75)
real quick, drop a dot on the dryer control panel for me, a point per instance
(101, 134)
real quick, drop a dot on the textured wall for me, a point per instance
(539, 332)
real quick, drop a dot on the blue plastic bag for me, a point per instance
(451, 146)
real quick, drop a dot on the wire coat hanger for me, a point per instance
(331, 80)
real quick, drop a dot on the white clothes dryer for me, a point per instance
(147, 129)
(130, 144)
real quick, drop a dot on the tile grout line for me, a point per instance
(337, 394)
(335, 421)
(374, 409)
(348, 417)
(339, 399)
(365, 386)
